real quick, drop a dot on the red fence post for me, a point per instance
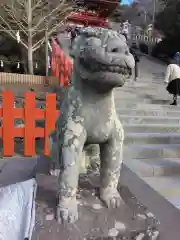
(30, 113)
(8, 123)
(29, 123)
(51, 115)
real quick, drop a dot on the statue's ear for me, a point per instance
(75, 47)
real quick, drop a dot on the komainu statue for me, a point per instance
(88, 116)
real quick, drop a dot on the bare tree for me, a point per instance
(28, 20)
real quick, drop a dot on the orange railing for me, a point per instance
(29, 113)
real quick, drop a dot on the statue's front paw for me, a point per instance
(111, 198)
(67, 211)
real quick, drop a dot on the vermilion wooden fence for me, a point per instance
(29, 113)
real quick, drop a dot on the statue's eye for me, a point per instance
(126, 52)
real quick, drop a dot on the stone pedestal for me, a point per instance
(131, 221)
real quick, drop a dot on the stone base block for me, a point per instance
(131, 221)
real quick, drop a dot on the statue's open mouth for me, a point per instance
(114, 69)
(98, 67)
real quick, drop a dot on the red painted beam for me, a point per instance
(103, 7)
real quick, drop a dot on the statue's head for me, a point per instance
(102, 58)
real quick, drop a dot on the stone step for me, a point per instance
(151, 128)
(143, 89)
(127, 94)
(141, 93)
(152, 138)
(126, 119)
(148, 93)
(146, 106)
(141, 84)
(137, 101)
(151, 151)
(147, 112)
(166, 186)
(158, 91)
(153, 167)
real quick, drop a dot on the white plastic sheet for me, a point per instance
(17, 210)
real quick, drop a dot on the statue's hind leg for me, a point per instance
(69, 175)
(111, 161)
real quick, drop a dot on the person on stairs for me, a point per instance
(73, 35)
(172, 80)
(134, 51)
(177, 58)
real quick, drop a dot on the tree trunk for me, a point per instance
(30, 54)
(24, 59)
(46, 52)
(30, 47)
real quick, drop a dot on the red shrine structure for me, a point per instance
(93, 12)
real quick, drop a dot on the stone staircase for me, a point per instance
(152, 135)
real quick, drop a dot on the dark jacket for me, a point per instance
(73, 34)
(133, 51)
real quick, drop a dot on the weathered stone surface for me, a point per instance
(88, 116)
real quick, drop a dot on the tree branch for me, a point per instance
(38, 44)
(16, 13)
(50, 14)
(5, 22)
(35, 32)
(38, 4)
(20, 3)
(13, 16)
(60, 14)
(54, 29)
(12, 34)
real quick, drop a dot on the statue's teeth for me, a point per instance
(117, 69)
